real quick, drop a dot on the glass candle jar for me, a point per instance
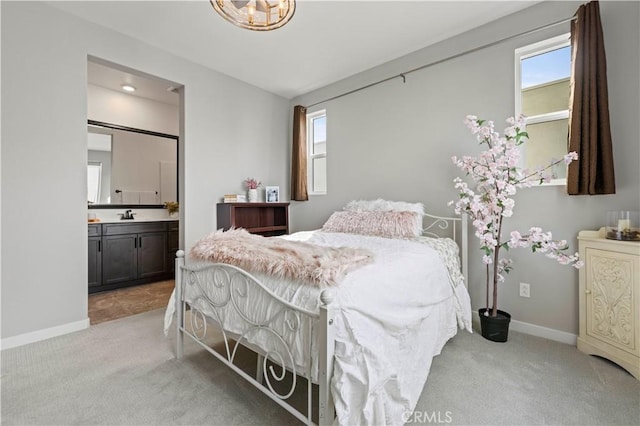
(623, 225)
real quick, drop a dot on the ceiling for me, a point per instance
(324, 42)
(100, 73)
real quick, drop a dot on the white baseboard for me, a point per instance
(47, 333)
(547, 333)
(537, 330)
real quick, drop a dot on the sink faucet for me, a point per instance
(127, 215)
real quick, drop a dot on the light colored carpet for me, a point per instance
(528, 381)
(124, 372)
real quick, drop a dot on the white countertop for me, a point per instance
(140, 215)
(134, 220)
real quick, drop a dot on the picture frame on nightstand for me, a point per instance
(272, 194)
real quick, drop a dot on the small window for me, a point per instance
(543, 71)
(317, 152)
(94, 180)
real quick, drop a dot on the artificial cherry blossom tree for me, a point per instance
(496, 175)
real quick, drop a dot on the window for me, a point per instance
(317, 152)
(543, 71)
(94, 179)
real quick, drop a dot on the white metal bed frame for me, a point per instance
(231, 283)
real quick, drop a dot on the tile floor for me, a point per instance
(110, 305)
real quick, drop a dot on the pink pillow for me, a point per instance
(377, 223)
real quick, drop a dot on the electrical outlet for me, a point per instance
(525, 290)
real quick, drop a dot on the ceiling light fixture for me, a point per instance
(128, 88)
(257, 15)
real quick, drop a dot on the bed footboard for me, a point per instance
(290, 341)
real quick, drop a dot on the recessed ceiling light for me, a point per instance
(128, 88)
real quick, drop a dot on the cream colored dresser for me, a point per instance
(609, 299)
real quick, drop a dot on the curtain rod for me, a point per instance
(466, 52)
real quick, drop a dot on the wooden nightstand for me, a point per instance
(268, 219)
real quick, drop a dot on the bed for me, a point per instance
(382, 296)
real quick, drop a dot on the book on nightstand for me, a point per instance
(235, 198)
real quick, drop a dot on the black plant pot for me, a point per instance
(495, 328)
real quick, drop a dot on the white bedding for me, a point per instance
(392, 317)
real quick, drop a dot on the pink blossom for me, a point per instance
(510, 132)
(252, 183)
(497, 176)
(570, 157)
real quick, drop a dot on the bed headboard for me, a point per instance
(452, 227)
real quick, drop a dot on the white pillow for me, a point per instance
(378, 223)
(385, 206)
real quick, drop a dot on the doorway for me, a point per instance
(129, 99)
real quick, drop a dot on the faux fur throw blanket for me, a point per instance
(296, 260)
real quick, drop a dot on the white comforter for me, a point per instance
(392, 317)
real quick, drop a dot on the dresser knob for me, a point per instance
(587, 291)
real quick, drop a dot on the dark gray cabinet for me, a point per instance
(173, 244)
(152, 254)
(120, 258)
(95, 256)
(131, 254)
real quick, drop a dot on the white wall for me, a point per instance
(136, 163)
(395, 141)
(109, 106)
(44, 155)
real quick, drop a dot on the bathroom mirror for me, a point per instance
(129, 167)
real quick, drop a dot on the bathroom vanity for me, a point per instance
(123, 254)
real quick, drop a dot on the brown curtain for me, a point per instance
(299, 155)
(589, 127)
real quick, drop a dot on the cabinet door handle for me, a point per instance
(587, 291)
(140, 243)
(99, 246)
(135, 242)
